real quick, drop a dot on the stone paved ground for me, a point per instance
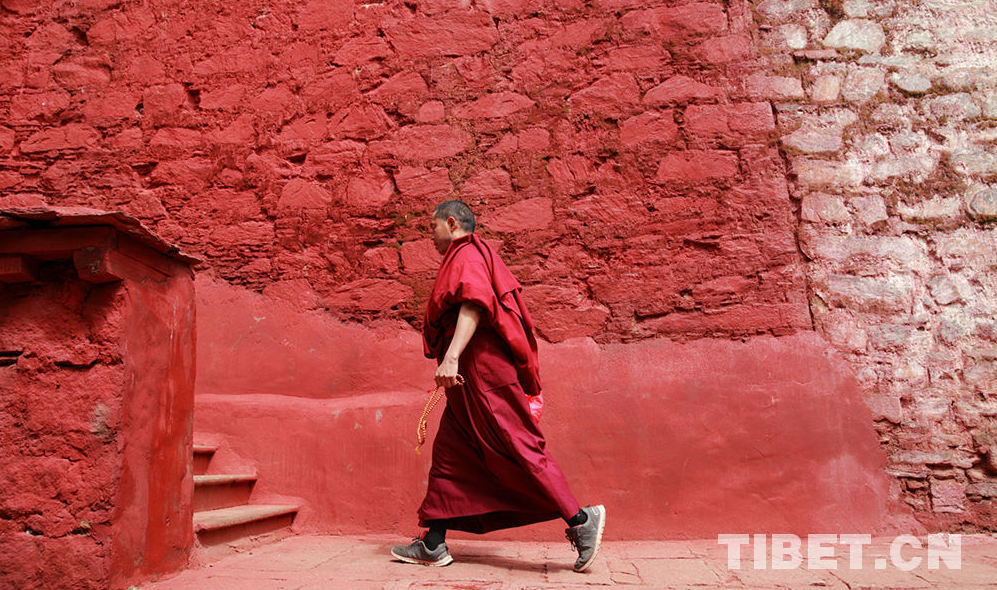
(325, 562)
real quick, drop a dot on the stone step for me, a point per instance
(227, 525)
(222, 491)
(202, 457)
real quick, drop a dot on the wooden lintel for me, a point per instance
(53, 243)
(104, 264)
(17, 268)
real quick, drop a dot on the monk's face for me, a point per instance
(442, 233)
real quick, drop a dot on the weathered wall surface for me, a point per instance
(96, 421)
(298, 147)
(61, 422)
(886, 112)
(626, 154)
(678, 440)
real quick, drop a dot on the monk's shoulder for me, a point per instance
(467, 256)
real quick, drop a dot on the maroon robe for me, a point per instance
(491, 468)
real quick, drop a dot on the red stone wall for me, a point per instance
(61, 419)
(97, 387)
(297, 146)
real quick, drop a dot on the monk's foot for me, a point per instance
(418, 553)
(587, 537)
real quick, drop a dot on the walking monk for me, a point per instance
(491, 469)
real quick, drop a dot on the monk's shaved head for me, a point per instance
(459, 211)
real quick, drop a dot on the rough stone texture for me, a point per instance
(604, 145)
(95, 424)
(628, 153)
(897, 207)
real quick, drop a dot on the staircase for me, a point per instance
(223, 515)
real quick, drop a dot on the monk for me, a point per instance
(491, 468)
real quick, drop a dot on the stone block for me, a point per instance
(856, 34)
(814, 140)
(380, 260)
(952, 107)
(671, 22)
(73, 136)
(32, 105)
(967, 248)
(697, 166)
(486, 185)
(911, 82)
(611, 97)
(430, 112)
(885, 407)
(981, 202)
(7, 137)
(891, 294)
(223, 99)
(526, 215)
(564, 312)
(936, 211)
(416, 182)
(869, 210)
(369, 190)
(360, 121)
(826, 88)
(110, 108)
(651, 129)
(725, 49)
(420, 256)
(774, 87)
(823, 173)
(990, 107)
(422, 143)
(162, 104)
(863, 83)
(795, 36)
(299, 194)
(780, 10)
(403, 88)
(948, 289)
(948, 496)
(370, 295)
(448, 34)
(973, 161)
(81, 77)
(981, 490)
(728, 125)
(492, 106)
(638, 59)
(980, 374)
(821, 208)
(679, 90)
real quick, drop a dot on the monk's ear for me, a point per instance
(452, 224)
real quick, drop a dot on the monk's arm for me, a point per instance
(467, 322)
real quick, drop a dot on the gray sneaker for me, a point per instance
(587, 537)
(418, 553)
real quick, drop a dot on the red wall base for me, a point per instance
(677, 440)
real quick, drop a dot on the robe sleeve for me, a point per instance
(470, 281)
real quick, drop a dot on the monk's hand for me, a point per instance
(446, 373)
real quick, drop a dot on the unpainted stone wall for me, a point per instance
(298, 147)
(886, 114)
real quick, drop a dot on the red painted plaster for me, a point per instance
(678, 440)
(97, 413)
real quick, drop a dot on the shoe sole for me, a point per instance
(447, 560)
(598, 538)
